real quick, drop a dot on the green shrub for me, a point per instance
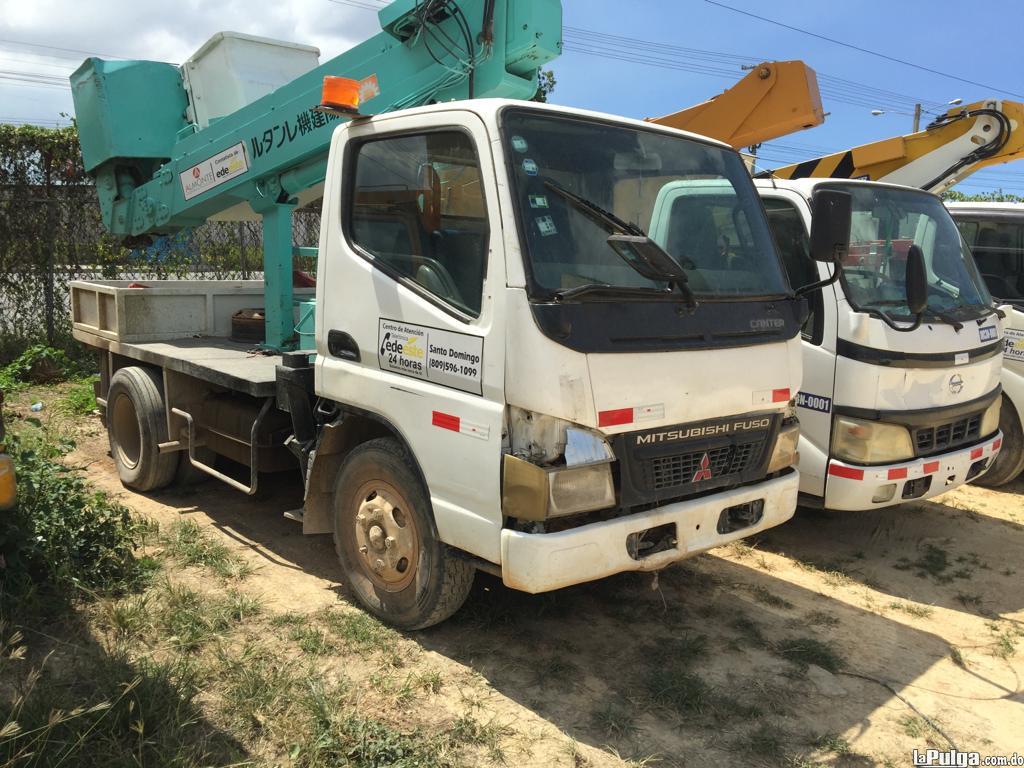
(63, 538)
(38, 364)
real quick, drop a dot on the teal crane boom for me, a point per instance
(157, 171)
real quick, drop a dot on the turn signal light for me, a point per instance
(340, 94)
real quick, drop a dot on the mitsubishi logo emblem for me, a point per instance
(956, 383)
(704, 473)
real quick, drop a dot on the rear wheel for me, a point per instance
(136, 425)
(384, 532)
(1010, 461)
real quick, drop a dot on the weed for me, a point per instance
(741, 549)
(615, 721)
(126, 618)
(821, 619)
(969, 600)
(257, 686)
(933, 562)
(359, 631)
(957, 657)
(38, 364)
(763, 595)
(837, 578)
(912, 609)
(189, 545)
(804, 651)
(831, 742)
(80, 399)
(766, 741)
(914, 727)
(1004, 647)
(678, 690)
(62, 536)
(469, 730)
(749, 630)
(191, 619)
(312, 640)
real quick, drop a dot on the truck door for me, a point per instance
(789, 218)
(409, 322)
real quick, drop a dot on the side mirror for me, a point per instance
(830, 225)
(917, 280)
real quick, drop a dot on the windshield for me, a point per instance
(997, 244)
(885, 222)
(694, 200)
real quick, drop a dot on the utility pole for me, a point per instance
(917, 118)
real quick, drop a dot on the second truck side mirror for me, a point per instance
(830, 225)
(917, 280)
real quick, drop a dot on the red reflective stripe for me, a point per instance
(848, 472)
(612, 418)
(898, 473)
(997, 444)
(931, 466)
(780, 395)
(446, 421)
(976, 453)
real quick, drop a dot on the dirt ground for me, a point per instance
(720, 660)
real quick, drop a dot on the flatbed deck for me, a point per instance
(237, 366)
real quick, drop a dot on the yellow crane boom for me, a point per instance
(774, 99)
(957, 144)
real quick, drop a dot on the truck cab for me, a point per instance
(995, 234)
(893, 407)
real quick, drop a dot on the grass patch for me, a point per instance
(821, 619)
(914, 727)
(189, 545)
(934, 562)
(912, 609)
(834, 743)
(358, 631)
(678, 690)
(80, 398)
(804, 651)
(615, 721)
(763, 595)
(766, 742)
(189, 619)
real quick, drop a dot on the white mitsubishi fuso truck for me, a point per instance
(902, 352)
(509, 373)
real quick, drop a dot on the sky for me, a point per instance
(641, 72)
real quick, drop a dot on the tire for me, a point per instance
(136, 425)
(418, 580)
(1010, 461)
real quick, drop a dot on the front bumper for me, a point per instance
(539, 562)
(852, 487)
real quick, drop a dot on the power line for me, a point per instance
(862, 50)
(65, 50)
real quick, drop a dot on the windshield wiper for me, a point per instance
(632, 244)
(604, 219)
(611, 290)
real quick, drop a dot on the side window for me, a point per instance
(794, 247)
(968, 230)
(417, 209)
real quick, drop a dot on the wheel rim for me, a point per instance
(387, 541)
(127, 432)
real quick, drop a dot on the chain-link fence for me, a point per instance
(51, 233)
(47, 242)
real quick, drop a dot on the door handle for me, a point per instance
(341, 344)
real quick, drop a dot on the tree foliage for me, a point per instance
(955, 196)
(545, 85)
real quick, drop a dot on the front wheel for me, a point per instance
(387, 542)
(1010, 461)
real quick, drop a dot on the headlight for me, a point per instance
(990, 419)
(785, 453)
(870, 442)
(530, 492)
